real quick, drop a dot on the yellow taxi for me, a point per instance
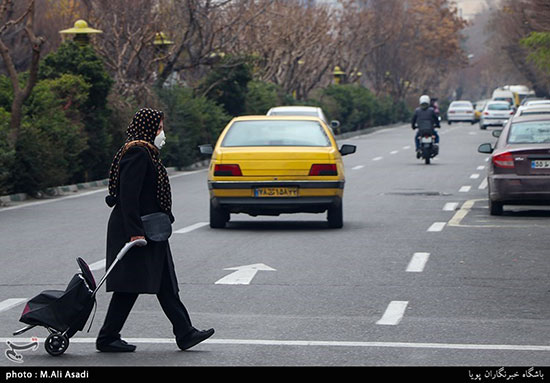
(272, 165)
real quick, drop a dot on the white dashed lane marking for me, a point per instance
(394, 313)
(418, 262)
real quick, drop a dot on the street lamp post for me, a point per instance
(338, 74)
(161, 44)
(81, 32)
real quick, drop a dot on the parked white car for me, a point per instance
(496, 113)
(461, 111)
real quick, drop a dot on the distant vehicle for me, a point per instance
(506, 95)
(303, 111)
(496, 113)
(531, 109)
(271, 165)
(531, 102)
(478, 109)
(519, 171)
(522, 92)
(461, 111)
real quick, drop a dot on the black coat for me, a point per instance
(425, 119)
(141, 269)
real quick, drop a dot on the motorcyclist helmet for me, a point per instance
(424, 100)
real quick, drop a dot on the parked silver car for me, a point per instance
(496, 113)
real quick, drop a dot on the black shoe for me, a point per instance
(418, 153)
(194, 338)
(118, 345)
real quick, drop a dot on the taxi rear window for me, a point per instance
(276, 133)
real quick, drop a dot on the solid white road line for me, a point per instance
(450, 206)
(394, 313)
(465, 189)
(417, 263)
(483, 184)
(437, 226)
(316, 343)
(357, 167)
(187, 229)
(10, 303)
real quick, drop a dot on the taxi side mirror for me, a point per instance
(206, 149)
(347, 149)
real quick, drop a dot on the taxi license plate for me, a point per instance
(276, 192)
(540, 164)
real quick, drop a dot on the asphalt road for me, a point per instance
(420, 275)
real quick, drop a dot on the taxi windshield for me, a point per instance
(276, 133)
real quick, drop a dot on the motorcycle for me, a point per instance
(428, 148)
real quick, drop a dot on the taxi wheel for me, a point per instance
(218, 217)
(335, 216)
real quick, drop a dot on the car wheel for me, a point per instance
(449, 122)
(495, 207)
(218, 217)
(483, 127)
(335, 216)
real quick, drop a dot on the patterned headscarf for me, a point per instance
(142, 132)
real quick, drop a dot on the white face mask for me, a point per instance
(160, 140)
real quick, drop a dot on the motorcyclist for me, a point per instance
(424, 119)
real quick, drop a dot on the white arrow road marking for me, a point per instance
(191, 228)
(243, 275)
(12, 302)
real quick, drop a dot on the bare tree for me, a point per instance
(24, 21)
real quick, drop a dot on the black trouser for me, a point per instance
(122, 303)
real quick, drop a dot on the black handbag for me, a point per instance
(157, 226)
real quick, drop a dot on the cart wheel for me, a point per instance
(56, 344)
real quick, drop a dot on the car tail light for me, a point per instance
(323, 170)
(451, 111)
(504, 160)
(486, 113)
(227, 170)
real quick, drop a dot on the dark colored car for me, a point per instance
(519, 170)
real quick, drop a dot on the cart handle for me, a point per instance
(138, 242)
